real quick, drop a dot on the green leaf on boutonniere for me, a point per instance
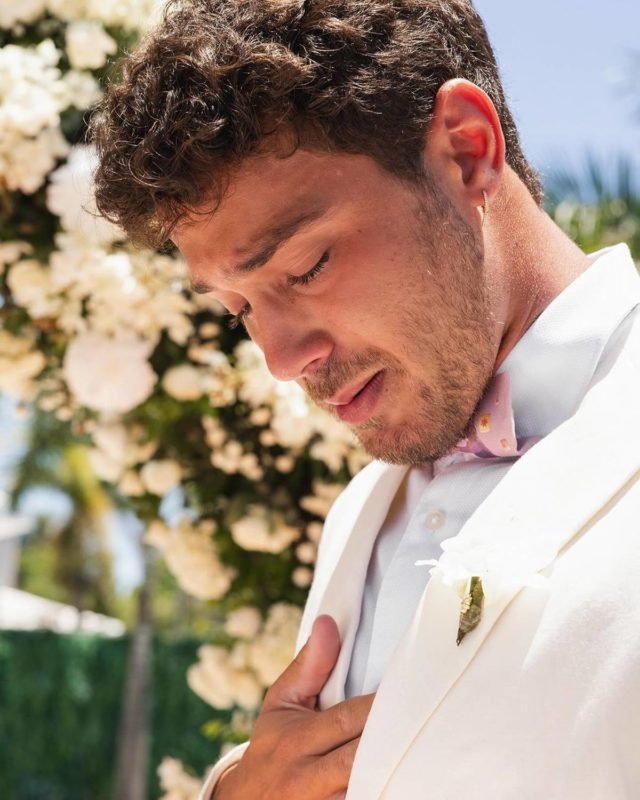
(471, 608)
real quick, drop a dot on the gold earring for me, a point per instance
(485, 208)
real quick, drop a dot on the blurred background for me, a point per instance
(161, 497)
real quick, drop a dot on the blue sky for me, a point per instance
(564, 63)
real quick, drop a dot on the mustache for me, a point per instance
(335, 375)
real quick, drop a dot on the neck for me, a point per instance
(534, 262)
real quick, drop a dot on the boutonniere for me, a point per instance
(483, 568)
(471, 592)
(470, 608)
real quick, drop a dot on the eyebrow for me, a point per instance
(264, 247)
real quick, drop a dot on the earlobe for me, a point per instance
(465, 143)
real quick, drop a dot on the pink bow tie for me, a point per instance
(495, 431)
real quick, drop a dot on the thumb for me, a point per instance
(301, 682)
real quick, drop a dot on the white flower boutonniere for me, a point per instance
(483, 568)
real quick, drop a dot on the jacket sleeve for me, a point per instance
(231, 758)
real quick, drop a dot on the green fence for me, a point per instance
(60, 701)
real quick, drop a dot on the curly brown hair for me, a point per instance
(216, 77)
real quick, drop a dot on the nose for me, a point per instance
(293, 350)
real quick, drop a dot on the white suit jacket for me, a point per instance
(542, 700)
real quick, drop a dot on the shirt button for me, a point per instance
(435, 519)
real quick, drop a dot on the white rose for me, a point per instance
(157, 535)
(285, 463)
(31, 288)
(192, 557)
(306, 552)
(323, 498)
(228, 458)
(88, 45)
(250, 467)
(109, 375)
(25, 11)
(130, 14)
(28, 161)
(273, 650)
(243, 623)
(245, 688)
(257, 531)
(215, 434)
(159, 477)
(209, 329)
(68, 9)
(112, 439)
(203, 577)
(105, 467)
(302, 577)
(292, 422)
(183, 382)
(209, 677)
(70, 196)
(83, 89)
(260, 416)
(11, 251)
(314, 531)
(257, 384)
(19, 365)
(178, 784)
(131, 485)
(221, 682)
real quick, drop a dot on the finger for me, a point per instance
(333, 771)
(330, 729)
(301, 683)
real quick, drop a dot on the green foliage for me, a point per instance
(38, 559)
(599, 206)
(60, 706)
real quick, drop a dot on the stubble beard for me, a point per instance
(459, 353)
(442, 414)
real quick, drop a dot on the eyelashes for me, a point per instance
(238, 319)
(303, 280)
(292, 280)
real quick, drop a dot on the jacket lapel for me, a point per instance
(342, 595)
(554, 491)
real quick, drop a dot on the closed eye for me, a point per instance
(292, 280)
(303, 280)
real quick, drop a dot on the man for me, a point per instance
(346, 178)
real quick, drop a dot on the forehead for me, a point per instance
(266, 192)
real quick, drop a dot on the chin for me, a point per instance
(397, 446)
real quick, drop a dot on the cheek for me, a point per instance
(371, 293)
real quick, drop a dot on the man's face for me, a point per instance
(365, 283)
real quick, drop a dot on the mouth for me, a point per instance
(361, 404)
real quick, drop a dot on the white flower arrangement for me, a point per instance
(109, 340)
(175, 782)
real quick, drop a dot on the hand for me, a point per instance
(296, 751)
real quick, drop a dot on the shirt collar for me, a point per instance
(553, 363)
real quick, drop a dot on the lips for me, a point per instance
(345, 396)
(364, 403)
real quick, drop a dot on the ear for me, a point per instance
(465, 147)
